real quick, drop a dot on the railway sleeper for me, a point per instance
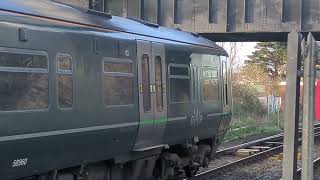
(247, 152)
(261, 148)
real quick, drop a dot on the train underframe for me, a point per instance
(173, 162)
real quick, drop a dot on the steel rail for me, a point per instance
(210, 174)
(316, 163)
(276, 137)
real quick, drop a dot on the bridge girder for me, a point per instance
(222, 16)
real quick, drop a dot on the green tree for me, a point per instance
(272, 58)
(252, 74)
(255, 76)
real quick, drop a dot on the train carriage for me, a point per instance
(89, 95)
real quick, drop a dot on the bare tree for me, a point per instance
(232, 49)
(233, 54)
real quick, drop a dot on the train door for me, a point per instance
(152, 95)
(226, 85)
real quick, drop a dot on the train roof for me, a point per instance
(65, 13)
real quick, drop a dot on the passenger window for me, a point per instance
(18, 60)
(120, 67)
(24, 83)
(118, 82)
(179, 83)
(65, 80)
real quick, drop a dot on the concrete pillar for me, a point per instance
(291, 121)
(308, 109)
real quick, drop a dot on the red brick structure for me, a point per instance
(282, 94)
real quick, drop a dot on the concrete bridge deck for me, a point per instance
(269, 19)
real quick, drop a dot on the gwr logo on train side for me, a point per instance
(196, 118)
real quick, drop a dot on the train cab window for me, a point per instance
(179, 83)
(210, 85)
(65, 80)
(24, 83)
(210, 78)
(118, 82)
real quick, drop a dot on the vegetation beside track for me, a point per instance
(253, 82)
(250, 126)
(250, 117)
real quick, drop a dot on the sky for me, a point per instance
(244, 49)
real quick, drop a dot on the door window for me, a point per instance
(159, 83)
(145, 70)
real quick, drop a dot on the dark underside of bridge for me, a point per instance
(249, 37)
(253, 37)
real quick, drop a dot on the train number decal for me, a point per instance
(20, 162)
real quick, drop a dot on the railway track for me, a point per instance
(316, 164)
(246, 153)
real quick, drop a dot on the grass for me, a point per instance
(249, 126)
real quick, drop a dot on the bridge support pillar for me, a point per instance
(308, 108)
(291, 121)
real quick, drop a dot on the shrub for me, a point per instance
(246, 102)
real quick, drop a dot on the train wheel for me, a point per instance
(191, 170)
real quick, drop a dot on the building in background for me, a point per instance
(282, 94)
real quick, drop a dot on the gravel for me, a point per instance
(267, 169)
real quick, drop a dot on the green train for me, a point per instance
(87, 95)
